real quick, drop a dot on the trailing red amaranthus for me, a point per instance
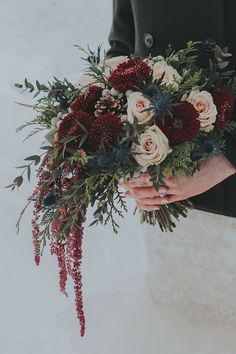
(74, 257)
(58, 248)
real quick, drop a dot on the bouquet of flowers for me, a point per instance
(127, 115)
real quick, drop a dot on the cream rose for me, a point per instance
(171, 76)
(86, 80)
(137, 103)
(107, 66)
(204, 104)
(112, 63)
(153, 148)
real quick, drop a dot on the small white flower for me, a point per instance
(124, 118)
(58, 123)
(59, 115)
(128, 93)
(114, 92)
(106, 92)
(54, 121)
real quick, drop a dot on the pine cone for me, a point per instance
(110, 104)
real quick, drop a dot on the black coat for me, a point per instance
(141, 27)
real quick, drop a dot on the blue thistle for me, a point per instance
(123, 155)
(104, 160)
(162, 103)
(208, 145)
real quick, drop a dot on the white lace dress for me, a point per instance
(194, 270)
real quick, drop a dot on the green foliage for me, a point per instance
(156, 175)
(229, 127)
(28, 86)
(95, 65)
(109, 202)
(17, 182)
(190, 80)
(184, 58)
(231, 85)
(179, 162)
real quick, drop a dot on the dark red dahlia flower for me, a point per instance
(104, 130)
(86, 101)
(182, 126)
(70, 127)
(224, 102)
(128, 75)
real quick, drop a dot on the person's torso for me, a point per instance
(158, 23)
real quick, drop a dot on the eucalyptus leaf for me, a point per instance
(10, 185)
(36, 94)
(67, 139)
(46, 147)
(82, 127)
(28, 173)
(38, 85)
(50, 136)
(18, 180)
(82, 141)
(19, 85)
(44, 88)
(32, 158)
(23, 166)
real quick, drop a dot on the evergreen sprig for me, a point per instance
(179, 162)
(184, 58)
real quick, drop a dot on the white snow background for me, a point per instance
(36, 41)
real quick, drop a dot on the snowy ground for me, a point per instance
(37, 40)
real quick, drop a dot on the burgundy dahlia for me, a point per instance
(224, 102)
(183, 125)
(104, 130)
(70, 126)
(129, 74)
(86, 101)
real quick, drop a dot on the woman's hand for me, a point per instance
(178, 188)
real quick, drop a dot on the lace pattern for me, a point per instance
(194, 267)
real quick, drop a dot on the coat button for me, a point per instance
(209, 44)
(148, 40)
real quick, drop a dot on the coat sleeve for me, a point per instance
(121, 37)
